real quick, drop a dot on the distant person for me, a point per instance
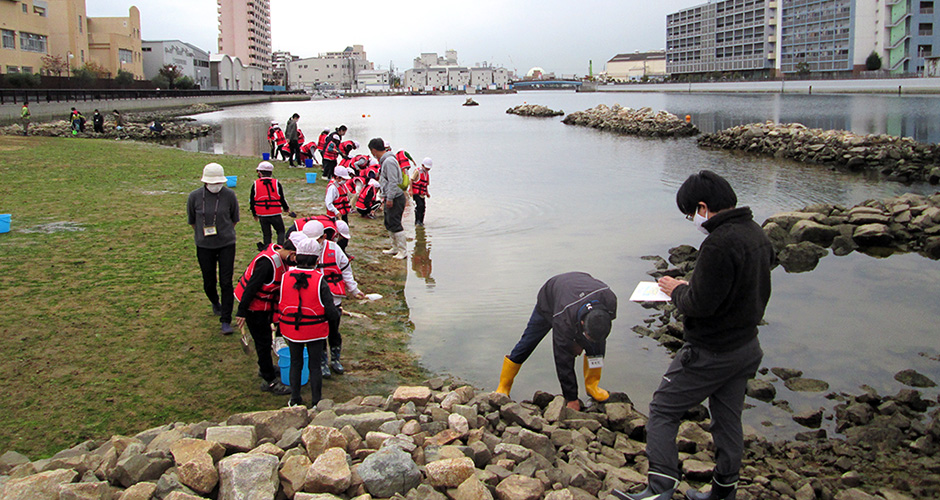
(213, 213)
(75, 120)
(156, 127)
(292, 139)
(390, 180)
(346, 148)
(118, 120)
(419, 189)
(24, 117)
(331, 150)
(367, 201)
(578, 309)
(722, 305)
(337, 195)
(267, 201)
(97, 122)
(273, 131)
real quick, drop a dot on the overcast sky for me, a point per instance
(559, 36)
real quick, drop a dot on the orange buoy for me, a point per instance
(363, 116)
(688, 118)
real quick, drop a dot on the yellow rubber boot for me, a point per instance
(592, 377)
(507, 375)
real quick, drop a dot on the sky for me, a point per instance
(559, 36)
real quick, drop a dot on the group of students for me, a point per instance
(77, 122)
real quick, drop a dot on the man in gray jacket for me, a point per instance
(293, 140)
(390, 178)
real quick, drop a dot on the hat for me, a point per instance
(213, 173)
(265, 166)
(341, 172)
(313, 229)
(273, 122)
(355, 144)
(427, 162)
(309, 246)
(343, 229)
(297, 237)
(597, 324)
(388, 147)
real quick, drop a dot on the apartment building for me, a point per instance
(330, 70)
(914, 34)
(191, 60)
(245, 32)
(279, 61)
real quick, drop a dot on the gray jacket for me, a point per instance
(291, 131)
(390, 176)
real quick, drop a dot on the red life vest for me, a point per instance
(308, 148)
(302, 316)
(420, 185)
(329, 223)
(279, 138)
(403, 160)
(331, 150)
(272, 132)
(300, 136)
(346, 147)
(345, 162)
(330, 269)
(267, 196)
(266, 298)
(341, 203)
(321, 141)
(366, 198)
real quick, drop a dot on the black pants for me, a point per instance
(393, 215)
(294, 151)
(314, 352)
(328, 167)
(273, 150)
(224, 258)
(335, 339)
(269, 221)
(259, 324)
(419, 208)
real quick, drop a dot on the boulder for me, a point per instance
(235, 438)
(188, 449)
(139, 491)
(199, 474)
(697, 470)
(872, 235)
(272, 424)
(389, 471)
(364, 422)
(809, 418)
(98, 490)
(516, 487)
(801, 257)
(472, 489)
(786, 373)
(137, 467)
(41, 486)
(913, 378)
(800, 384)
(317, 439)
(515, 413)
(329, 473)
(293, 474)
(761, 389)
(449, 473)
(813, 232)
(854, 494)
(245, 475)
(419, 395)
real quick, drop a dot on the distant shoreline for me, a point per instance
(892, 86)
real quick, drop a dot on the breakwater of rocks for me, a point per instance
(642, 122)
(899, 158)
(445, 441)
(534, 110)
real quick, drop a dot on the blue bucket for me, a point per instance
(265, 156)
(283, 362)
(5, 220)
(231, 180)
(311, 177)
(308, 162)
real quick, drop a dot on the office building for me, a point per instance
(637, 66)
(245, 32)
(115, 43)
(329, 70)
(191, 60)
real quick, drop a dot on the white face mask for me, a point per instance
(214, 188)
(698, 220)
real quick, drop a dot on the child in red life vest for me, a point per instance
(276, 139)
(419, 189)
(267, 203)
(337, 195)
(305, 309)
(368, 201)
(257, 293)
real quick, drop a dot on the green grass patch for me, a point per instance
(105, 326)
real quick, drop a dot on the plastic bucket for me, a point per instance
(308, 162)
(311, 177)
(283, 362)
(231, 180)
(265, 156)
(5, 220)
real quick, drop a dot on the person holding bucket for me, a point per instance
(304, 313)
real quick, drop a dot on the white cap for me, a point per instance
(341, 172)
(213, 173)
(373, 161)
(343, 229)
(309, 246)
(427, 162)
(313, 229)
(374, 183)
(387, 145)
(265, 166)
(273, 122)
(355, 144)
(297, 237)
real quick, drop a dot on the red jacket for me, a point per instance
(420, 185)
(267, 199)
(330, 269)
(265, 299)
(302, 315)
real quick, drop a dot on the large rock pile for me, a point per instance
(131, 130)
(534, 110)
(900, 158)
(451, 442)
(642, 122)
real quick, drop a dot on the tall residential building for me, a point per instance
(914, 34)
(834, 36)
(279, 61)
(245, 32)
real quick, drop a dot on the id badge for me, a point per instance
(595, 362)
(209, 231)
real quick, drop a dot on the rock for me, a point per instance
(389, 471)
(168, 483)
(801, 257)
(199, 474)
(137, 467)
(179, 495)
(854, 494)
(41, 486)
(516, 414)
(806, 492)
(419, 395)
(534, 110)
(317, 496)
(872, 235)
(449, 473)
(11, 459)
(188, 449)
(786, 373)
(329, 473)
(365, 422)
(813, 232)
(293, 474)
(458, 423)
(913, 379)
(761, 389)
(317, 439)
(697, 470)
(98, 490)
(472, 489)
(516, 487)
(273, 424)
(235, 438)
(692, 438)
(809, 418)
(245, 476)
(843, 245)
(268, 448)
(139, 491)
(800, 384)
(425, 492)
(538, 443)
(516, 453)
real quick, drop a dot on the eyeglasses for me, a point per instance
(690, 216)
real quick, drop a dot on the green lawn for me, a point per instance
(106, 330)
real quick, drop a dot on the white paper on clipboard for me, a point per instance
(648, 291)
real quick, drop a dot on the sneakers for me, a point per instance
(335, 365)
(275, 387)
(216, 309)
(227, 329)
(292, 403)
(325, 367)
(261, 246)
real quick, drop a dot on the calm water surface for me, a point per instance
(516, 200)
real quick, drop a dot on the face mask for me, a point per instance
(214, 188)
(698, 220)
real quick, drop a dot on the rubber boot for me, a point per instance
(325, 365)
(719, 491)
(401, 244)
(592, 377)
(394, 249)
(659, 487)
(335, 365)
(507, 375)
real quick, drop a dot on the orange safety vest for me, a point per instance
(302, 316)
(267, 196)
(330, 269)
(403, 160)
(366, 198)
(341, 203)
(279, 138)
(265, 299)
(329, 223)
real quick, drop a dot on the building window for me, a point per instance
(146, 49)
(13, 69)
(926, 7)
(32, 42)
(125, 56)
(9, 39)
(25, 11)
(924, 50)
(925, 29)
(27, 69)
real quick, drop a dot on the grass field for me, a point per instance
(105, 328)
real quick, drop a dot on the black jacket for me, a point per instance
(560, 301)
(730, 286)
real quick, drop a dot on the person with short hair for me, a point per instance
(578, 309)
(267, 201)
(24, 117)
(419, 189)
(390, 180)
(722, 304)
(97, 122)
(293, 139)
(212, 211)
(331, 150)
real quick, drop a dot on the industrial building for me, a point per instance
(191, 60)
(329, 70)
(638, 66)
(431, 73)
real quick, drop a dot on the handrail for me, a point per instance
(16, 96)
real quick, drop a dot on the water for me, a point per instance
(515, 200)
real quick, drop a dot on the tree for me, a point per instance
(124, 78)
(873, 62)
(84, 77)
(96, 69)
(160, 82)
(802, 68)
(172, 73)
(185, 83)
(54, 65)
(22, 80)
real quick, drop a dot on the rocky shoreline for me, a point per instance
(446, 441)
(901, 159)
(640, 122)
(535, 110)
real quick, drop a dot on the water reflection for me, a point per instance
(421, 257)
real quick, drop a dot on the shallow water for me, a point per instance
(515, 200)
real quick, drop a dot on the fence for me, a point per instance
(19, 96)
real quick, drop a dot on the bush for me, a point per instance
(22, 80)
(873, 62)
(124, 78)
(184, 83)
(161, 82)
(84, 77)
